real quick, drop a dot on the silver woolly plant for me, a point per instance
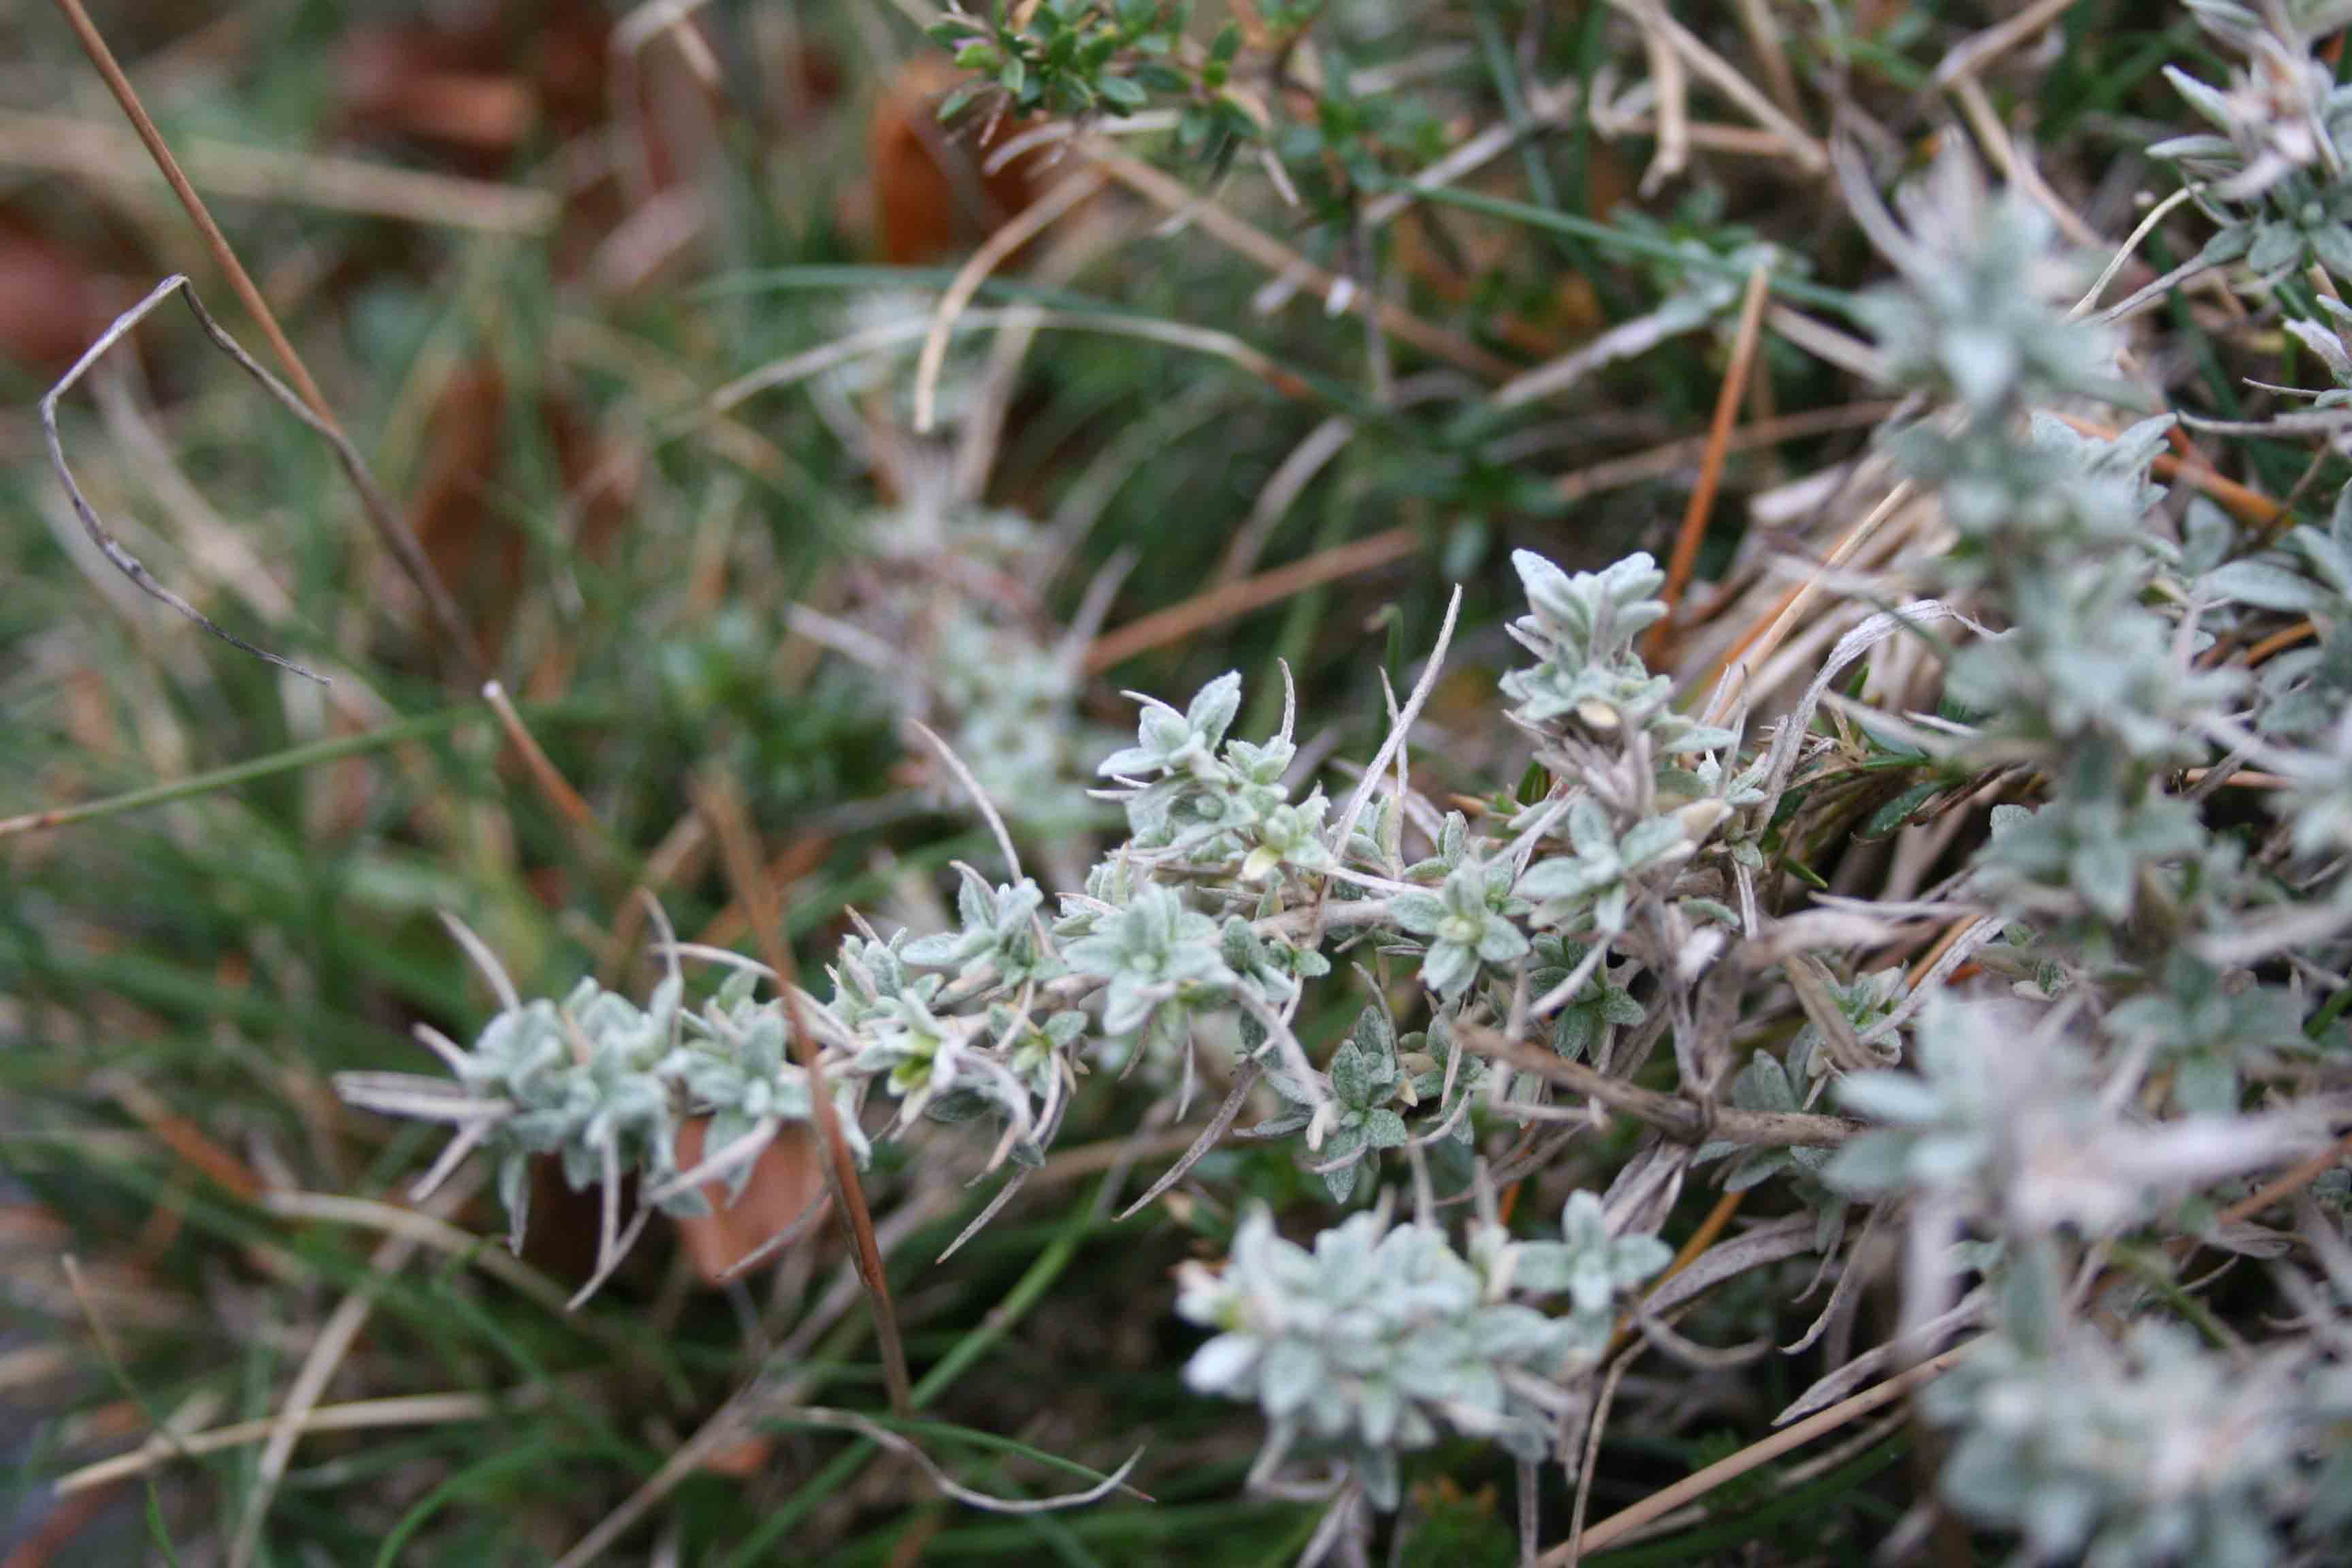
(1221, 902)
(1597, 883)
(2305, 691)
(2113, 1081)
(1623, 903)
(973, 665)
(999, 937)
(2003, 1121)
(1011, 706)
(1369, 1090)
(2088, 682)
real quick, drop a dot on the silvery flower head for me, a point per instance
(891, 373)
(601, 1101)
(734, 1065)
(922, 1056)
(2084, 853)
(1268, 964)
(1947, 1126)
(1010, 707)
(2202, 1025)
(2318, 807)
(2086, 666)
(1365, 1079)
(1601, 1003)
(1290, 835)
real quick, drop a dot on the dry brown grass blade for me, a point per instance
(59, 1527)
(993, 252)
(1614, 473)
(1546, 108)
(69, 1520)
(1719, 445)
(2015, 167)
(2279, 642)
(731, 1421)
(357, 1415)
(1829, 345)
(1980, 49)
(1093, 1159)
(387, 526)
(800, 367)
(191, 1143)
(1173, 195)
(2241, 778)
(1179, 622)
(1763, 637)
(1707, 135)
(1803, 148)
(1283, 487)
(1670, 86)
(1210, 1135)
(722, 802)
(2288, 1182)
(795, 860)
(544, 772)
(1700, 1240)
(1698, 1484)
(2247, 504)
(425, 1230)
(1765, 41)
(1942, 944)
(105, 154)
(1621, 1361)
(336, 1338)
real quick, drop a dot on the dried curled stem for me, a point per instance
(100, 535)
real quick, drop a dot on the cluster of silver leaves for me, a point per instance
(2271, 168)
(1377, 1339)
